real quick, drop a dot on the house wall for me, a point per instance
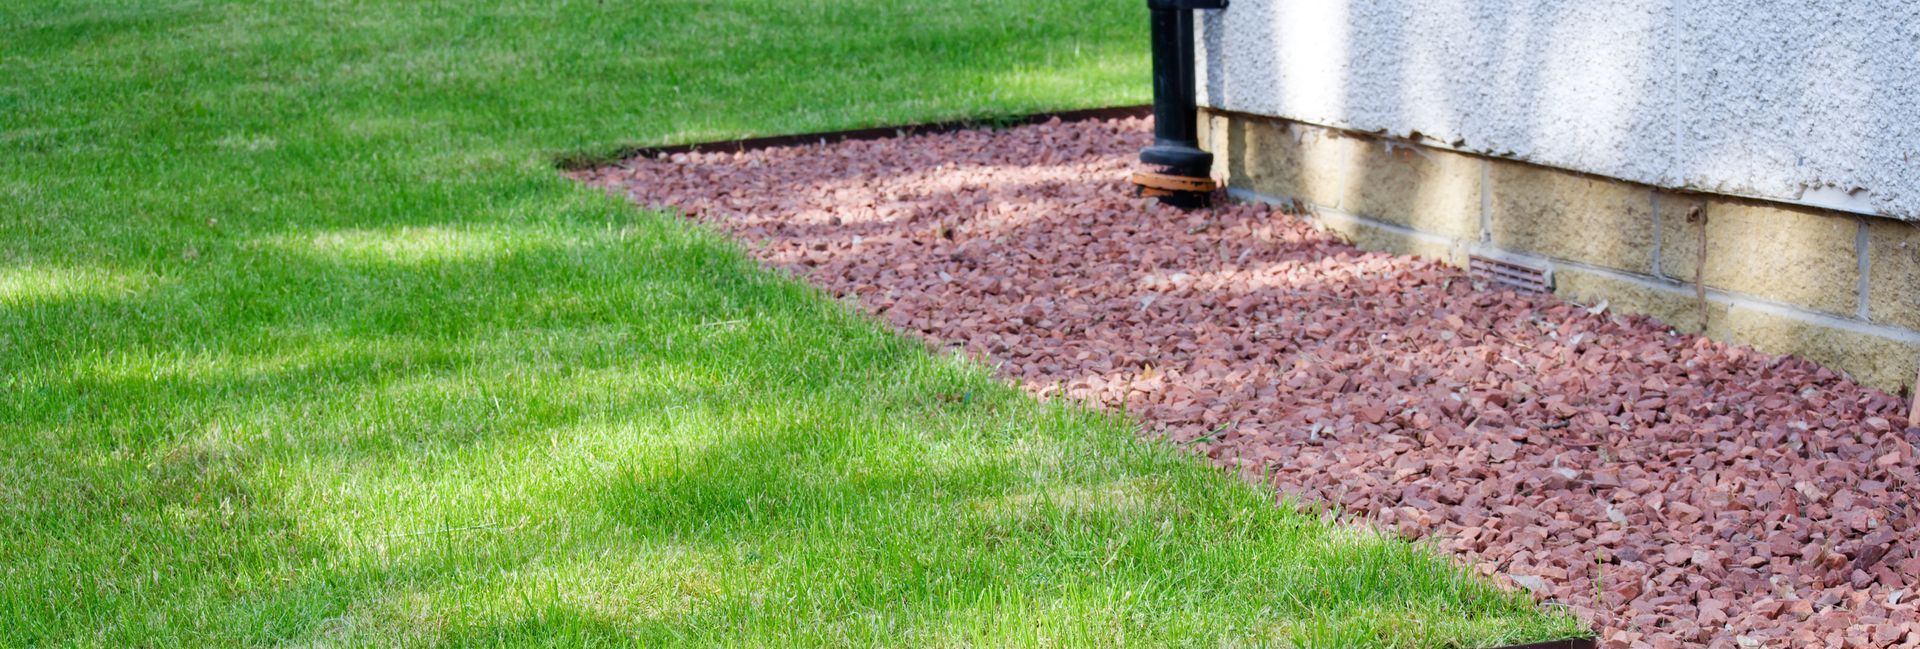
(1746, 170)
(1794, 101)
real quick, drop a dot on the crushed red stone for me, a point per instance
(1674, 490)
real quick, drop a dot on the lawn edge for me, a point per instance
(579, 161)
(585, 161)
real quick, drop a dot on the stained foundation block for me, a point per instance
(1787, 254)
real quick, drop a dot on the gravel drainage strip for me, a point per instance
(1674, 490)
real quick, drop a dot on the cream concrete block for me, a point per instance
(1879, 362)
(1674, 308)
(1893, 284)
(1560, 214)
(1369, 236)
(1429, 190)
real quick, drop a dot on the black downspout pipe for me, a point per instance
(1176, 170)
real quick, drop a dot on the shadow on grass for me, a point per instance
(248, 441)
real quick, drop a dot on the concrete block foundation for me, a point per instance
(1834, 287)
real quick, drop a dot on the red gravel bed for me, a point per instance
(1676, 491)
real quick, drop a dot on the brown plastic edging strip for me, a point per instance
(874, 133)
(1571, 643)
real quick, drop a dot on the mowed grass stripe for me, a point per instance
(304, 342)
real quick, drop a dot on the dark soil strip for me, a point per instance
(576, 163)
(1577, 643)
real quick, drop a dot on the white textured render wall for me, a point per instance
(1815, 102)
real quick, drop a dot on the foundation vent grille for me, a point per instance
(1508, 274)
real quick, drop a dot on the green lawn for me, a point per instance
(303, 341)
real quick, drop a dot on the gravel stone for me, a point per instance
(1675, 490)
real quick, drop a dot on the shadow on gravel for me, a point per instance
(1663, 483)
